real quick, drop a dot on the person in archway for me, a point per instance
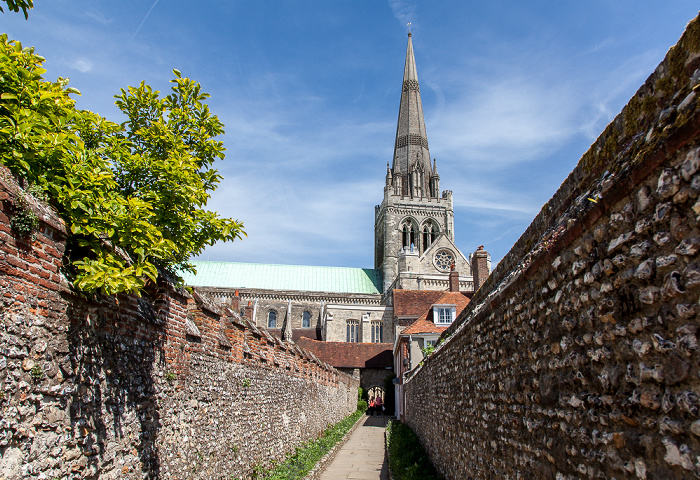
(370, 410)
(378, 405)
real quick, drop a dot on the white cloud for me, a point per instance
(82, 65)
(403, 10)
(99, 17)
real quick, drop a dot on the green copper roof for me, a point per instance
(284, 277)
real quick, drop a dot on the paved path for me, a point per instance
(363, 456)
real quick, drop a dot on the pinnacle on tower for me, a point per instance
(411, 154)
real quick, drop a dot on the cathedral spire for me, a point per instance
(411, 155)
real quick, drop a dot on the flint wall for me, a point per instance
(578, 358)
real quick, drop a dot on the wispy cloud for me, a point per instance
(82, 65)
(404, 11)
(98, 17)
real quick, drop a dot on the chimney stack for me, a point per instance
(454, 279)
(248, 311)
(480, 267)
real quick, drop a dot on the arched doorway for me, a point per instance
(374, 391)
(372, 394)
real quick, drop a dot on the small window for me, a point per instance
(352, 331)
(272, 319)
(377, 332)
(443, 315)
(306, 320)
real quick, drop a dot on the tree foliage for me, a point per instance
(16, 5)
(133, 194)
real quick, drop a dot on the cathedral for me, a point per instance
(415, 250)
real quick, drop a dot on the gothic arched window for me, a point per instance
(306, 320)
(352, 328)
(408, 235)
(377, 331)
(430, 233)
(272, 319)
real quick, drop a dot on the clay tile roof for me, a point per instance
(350, 355)
(424, 325)
(414, 302)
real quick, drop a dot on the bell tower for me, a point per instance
(414, 215)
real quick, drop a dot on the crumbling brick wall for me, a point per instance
(163, 386)
(578, 358)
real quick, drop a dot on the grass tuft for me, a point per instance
(407, 458)
(297, 465)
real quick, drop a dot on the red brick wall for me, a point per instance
(116, 386)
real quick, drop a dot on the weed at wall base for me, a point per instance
(407, 458)
(301, 462)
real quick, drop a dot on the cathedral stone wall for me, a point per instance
(578, 358)
(338, 316)
(160, 386)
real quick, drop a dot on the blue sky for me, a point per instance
(513, 94)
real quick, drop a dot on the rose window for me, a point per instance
(444, 260)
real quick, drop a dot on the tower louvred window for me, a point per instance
(409, 235)
(430, 233)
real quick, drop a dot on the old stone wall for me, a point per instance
(162, 386)
(578, 358)
(335, 329)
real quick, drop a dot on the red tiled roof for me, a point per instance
(350, 355)
(414, 302)
(424, 325)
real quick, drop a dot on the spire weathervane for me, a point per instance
(409, 27)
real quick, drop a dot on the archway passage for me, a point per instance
(374, 391)
(373, 394)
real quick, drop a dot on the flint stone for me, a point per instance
(643, 225)
(691, 275)
(644, 198)
(649, 295)
(667, 184)
(695, 428)
(689, 246)
(696, 208)
(645, 270)
(682, 196)
(674, 370)
(665, 260)
(622, 239)
(671, 287)
(687, 101)
(674, 456)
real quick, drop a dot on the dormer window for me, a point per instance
(444, 315)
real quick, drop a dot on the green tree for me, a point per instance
(16, 5)
(132, 195)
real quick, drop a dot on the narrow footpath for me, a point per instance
(363, 456)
